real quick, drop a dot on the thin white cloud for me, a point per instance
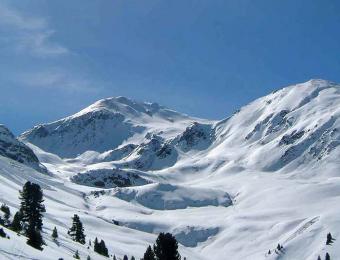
(27, 33)
(57, 79)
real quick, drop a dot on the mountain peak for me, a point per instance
(105, 125)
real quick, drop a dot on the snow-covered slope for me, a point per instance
(105, 125)
(235, 188)
(297, 126)
(12, 148)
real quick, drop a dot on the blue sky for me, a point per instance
(204, 58)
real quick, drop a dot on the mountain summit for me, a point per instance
(105, 125)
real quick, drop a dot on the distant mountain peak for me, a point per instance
(105, 125)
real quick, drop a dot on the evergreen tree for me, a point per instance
(100, 248)
(77, 230)
(76, 255)
(114, 257)
(103, 248)
(133, 258)
(88, 258)
(329, 239)
(5, 209)
(125, 257)
(34, 238)
(278, 247)
(16, 225)
(166, 247)
(96, 245)
(149, 254)
(2, 233)
(327, 257)
(55, 233)
(31, 209)
(319, 257)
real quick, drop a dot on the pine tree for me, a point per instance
(103, 248)
(16, 225)
(278, 247)
(34, 238)
(31, 206)
(5, 209)
(96, 245)
(55, 233)
(327, 257)
(133, 258)
(149, 254)
(114, 257)
(77, 230)
(166, 247)
(319, 257)
(31, 209)
(88, 257)
(76, 255)
(125, 257)
(2, 233)
(329, 239)
(100, 248)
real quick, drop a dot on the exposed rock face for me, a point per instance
(12, 148)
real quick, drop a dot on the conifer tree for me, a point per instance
(100, 247)
(114, 257)
(16, 225)
(149, 254)
(319, 257)
(5, 209)
(103, 248)
(96, 245)
(329, 239)
(166, 247)
(125, 257)
(133, 258)
(2, 233)
(76, 255)
(77, 230)
(31, 209)
(55, 233)
(278, 247)
(88, 257)
(327, 257)
(34, 237)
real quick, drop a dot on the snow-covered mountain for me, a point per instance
(234, 188)
(12, 148)
(106, 125)
(297, 126)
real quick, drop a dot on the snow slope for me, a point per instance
(12, 148)
(235, 188)
(105, 125)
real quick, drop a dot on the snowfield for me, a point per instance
(233, 189)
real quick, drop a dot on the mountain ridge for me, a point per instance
(268, 174)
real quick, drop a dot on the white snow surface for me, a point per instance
(234, 189)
